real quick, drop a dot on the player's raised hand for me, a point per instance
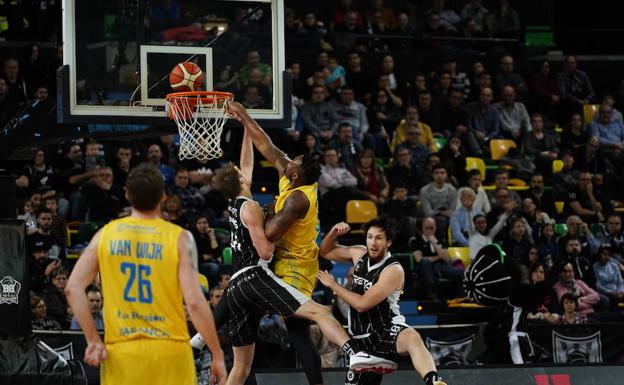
(218, 373)
(95, 353)
(340, 228)
(235, 110)
(326, 278)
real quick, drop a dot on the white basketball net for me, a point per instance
(200, 120)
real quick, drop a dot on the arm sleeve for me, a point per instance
(363, 119)
(598, 272)
(425, 203)
(456, 229)
(348, 179)
(309, 125)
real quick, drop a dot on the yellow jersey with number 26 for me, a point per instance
(138, 262)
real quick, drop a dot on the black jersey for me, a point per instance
(244, 253)
(384, 314)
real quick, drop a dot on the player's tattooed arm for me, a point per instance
(191, 247)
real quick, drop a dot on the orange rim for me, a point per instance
(200, 95)
(193, 97)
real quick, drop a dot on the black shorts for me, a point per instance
(381, 343)
(252, 294)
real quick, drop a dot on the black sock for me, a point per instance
(431, 377)
(347, 349)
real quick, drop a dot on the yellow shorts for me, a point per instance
(298, 273)
(150, 362)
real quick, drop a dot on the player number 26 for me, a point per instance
(144, 286)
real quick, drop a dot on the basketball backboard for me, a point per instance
(118, 55)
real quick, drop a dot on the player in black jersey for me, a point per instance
(254, 289)
(375, 322)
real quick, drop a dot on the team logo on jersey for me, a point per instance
(9, 290)
(361, 281)
(567, 349)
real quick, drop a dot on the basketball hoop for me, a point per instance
(200, 116)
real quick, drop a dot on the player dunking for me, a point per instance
(254, 289)
(147, 270)
(294, 228)
(374, 318)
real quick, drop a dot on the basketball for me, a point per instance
(186, 76)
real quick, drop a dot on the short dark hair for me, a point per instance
(145, 187)
(93, 289)
(227, 180)
(310, 168)
(568, 297)
(573, 238)
(437, 166)
(473, 172)
(58, 271)
(384, 223)
(180, 168)
(537, 173)
(344, 124)
(474, 219)
(43, 210)
(50, 198)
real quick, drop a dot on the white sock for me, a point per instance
(197, 342)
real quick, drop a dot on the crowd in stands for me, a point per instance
(400, 142)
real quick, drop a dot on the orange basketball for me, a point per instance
(186, 76)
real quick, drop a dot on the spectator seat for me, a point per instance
(500, 147)
(476, 164)
(589, 110)
(359, 212)
(203, 282)
(226, 256)
(557, 165)
(461, 253)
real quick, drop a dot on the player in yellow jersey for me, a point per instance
(294, 227)
(147, 270)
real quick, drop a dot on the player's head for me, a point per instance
(379, 236)
(303, 170)
(145, 187)
(230, 181)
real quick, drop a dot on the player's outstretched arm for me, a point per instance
(82, 276)
(261, 140)
(253, 217)
(197, 306)
(247, 157)
(331, 250)
(391, 279)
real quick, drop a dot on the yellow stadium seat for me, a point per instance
(589, 110)
(476, 164)
(557, 165)
(461, 253)
(559, 206)
(500, 147)
(360, 211)
(517, 182)
(203, 282)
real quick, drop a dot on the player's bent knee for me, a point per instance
(409, 339)
(311, 310)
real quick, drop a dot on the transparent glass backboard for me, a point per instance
(118, 55)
